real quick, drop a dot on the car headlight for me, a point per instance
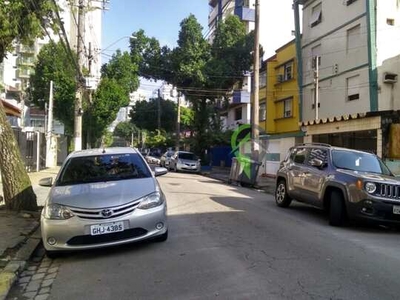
(370, 187)
(57, 212)
(151, 201)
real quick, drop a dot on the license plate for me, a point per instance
(106, 228)
(396, 209)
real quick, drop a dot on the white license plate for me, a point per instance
(396, 209)
(106, 228)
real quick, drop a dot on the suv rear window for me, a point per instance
(100, 168)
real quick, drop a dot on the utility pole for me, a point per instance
(178, 123)
(159, 111)
(256, 67)
(50, 139)
(316, 85)
(89, 129)
(79, 91)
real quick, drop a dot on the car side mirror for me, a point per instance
(315, 162)
(48, 181)
(158, 171)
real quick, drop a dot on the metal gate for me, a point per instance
(32, 145)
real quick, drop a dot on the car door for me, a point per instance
(296, 173)
(315, 175)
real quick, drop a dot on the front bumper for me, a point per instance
(187, 168)
(74, 233)
(376, 210)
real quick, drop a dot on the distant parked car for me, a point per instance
(166, 158)
(184, 161)
(103, 197)
(345, 182)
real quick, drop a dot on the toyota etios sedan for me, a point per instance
(103, 197)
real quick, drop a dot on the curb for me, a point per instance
(16, 265)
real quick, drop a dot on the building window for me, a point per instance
(287, 75)
(238, 114)
(315, 52)
(353, 88)
(263, 79)
(262, 111)
(314, 98)
(287, 108)
(316, 16)
(390, 22)
(353, 38)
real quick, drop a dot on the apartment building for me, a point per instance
(351, 49)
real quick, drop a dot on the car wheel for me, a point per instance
(337, 211)
(282, 198)
(161, 238)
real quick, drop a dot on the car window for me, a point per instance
(103, 168)
(299, 155)
(359, 161)
(318, 153)
(188, 156)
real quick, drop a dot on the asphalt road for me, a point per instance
(229, 242)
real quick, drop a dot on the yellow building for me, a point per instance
(279, 106)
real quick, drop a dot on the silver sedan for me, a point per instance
(101, 198)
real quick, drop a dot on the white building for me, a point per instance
(357, 45)
(169, 92)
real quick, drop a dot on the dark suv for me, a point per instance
(345, 182)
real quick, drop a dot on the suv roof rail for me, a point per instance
(315, 144)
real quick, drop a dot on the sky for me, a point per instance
(161, 19)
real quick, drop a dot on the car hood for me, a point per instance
(373, 176)
(102, 194)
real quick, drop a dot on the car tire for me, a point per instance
(337, 210)
(282, 198)
(161, 238)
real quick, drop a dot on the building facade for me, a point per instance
(353, 55)
(279, 106)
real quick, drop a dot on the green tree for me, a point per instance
(119, 77)
(126, 130)
(53, 63)
(23, 21)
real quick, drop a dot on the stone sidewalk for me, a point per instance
(267, 184)
(20, 235)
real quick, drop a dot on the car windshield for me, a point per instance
(188, 156)
(103, 168)
(358, 161)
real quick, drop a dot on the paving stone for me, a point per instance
(38, 276)
(45, 264)
(29, 295)
(45, 290)
(24, 279)
(52, 270)
(42, 297)
(41, 270)
(32, 268)
(50, 276)
(27, 273)
(33, 286)
(22, 286)
(36, 259)
(47, 283)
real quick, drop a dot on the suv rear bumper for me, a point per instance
(373, 210)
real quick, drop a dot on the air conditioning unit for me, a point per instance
(389, 77)
(279, 78)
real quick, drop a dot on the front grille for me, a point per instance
(83, 240)
(96, 214)
(389, 191)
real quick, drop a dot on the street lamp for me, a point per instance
(120, 39)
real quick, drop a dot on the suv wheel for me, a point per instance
(282, 199)
(337, 211)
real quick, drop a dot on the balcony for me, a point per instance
(240, 97)
(24, 73)
(213, 3)
(245, 13)
(25, 61)
(213, 14)
(26, 49)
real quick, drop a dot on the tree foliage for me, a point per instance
(53, 63)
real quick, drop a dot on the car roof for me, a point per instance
(104, 151)
(327, 146)
(185, 152)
